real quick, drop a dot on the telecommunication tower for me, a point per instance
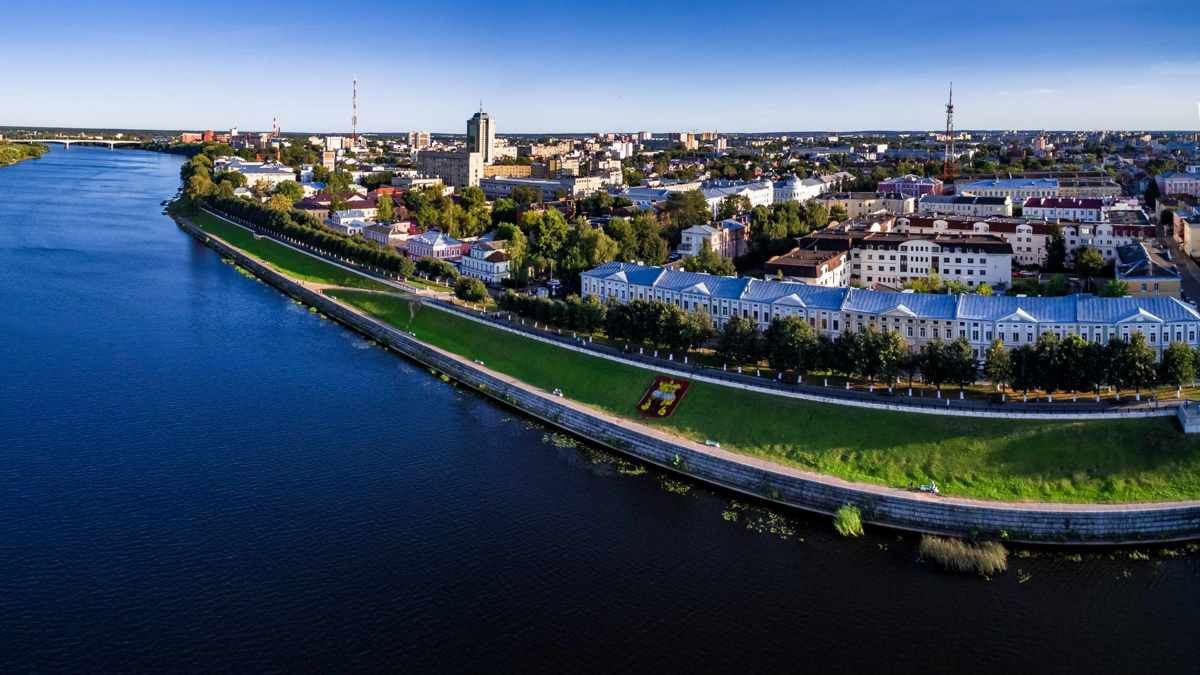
(354, 114)
(948, 157)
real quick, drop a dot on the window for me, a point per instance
(935, 333)
(910, 331)
(1143, 288)
(922, 331)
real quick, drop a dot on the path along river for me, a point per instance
(198, 475)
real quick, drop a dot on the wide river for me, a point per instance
(198, 475)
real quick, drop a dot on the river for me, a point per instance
(197, 475)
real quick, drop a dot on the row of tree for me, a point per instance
(585, 315)
(1074, 364)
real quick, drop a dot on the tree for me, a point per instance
(733, 205)
(984, 289)
(910, 364)
(1088, 262)
(870, 355)
(709, 261)
(1139, 362)
(687, 208)
(998, 367)
(1056, 251)
(739, 340)
(279, 203)
(235, 178)
(385, 210)
(699, 327)
(596, 247)
(791, 344)
(589, 315)
(504, 210)
(962, 366)
(1048, 356)
(1151, 194)
(1073, 373)
(1024, 368)
(1178, 365)
(934, 363)
(290, 189)
(551, 233)
(838, 213)
(1115, 288)
(338, 203)
(561, 194)
(472, 198)
(525, 195)
(470, 289)
(1057, 286)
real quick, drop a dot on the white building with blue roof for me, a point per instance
(917, 317)
(1019, 189)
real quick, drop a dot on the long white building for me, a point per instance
(917, 317)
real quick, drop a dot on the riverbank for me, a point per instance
(1029, 522)
(11, 153)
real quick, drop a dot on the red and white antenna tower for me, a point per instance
(948, 157)
(354, 115)
(275, 127)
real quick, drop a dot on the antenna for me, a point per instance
(480, 106)
(354, 116)
(948, 157)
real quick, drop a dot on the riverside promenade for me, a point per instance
(885, 506)
(1086, 407)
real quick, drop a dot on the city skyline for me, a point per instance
(638, 68)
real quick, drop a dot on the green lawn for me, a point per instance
(1053, 460)
(286, 259)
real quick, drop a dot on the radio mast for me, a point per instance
(354, 114)
(948, 156)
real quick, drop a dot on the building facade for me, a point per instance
(917, 317)
(859, 204)
(1065, 208)
(966, 205)
(486, 261)
(481, 136)
(1028, 237)
(1017, 189)
(728, 238)
(434, 244)
(575, 186)
(456, 168)
(911, 186)
(892, 258)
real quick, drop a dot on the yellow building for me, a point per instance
(508, 171)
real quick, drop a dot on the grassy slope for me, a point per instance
(1053, 460)
(285, 259)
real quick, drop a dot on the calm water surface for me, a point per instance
(197, 475)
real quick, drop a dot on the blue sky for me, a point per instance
(613, 66)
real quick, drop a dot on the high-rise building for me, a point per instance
(418, 140)
(481, 136)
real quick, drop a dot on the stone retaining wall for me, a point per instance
(1033, 523)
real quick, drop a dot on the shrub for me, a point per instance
(957, 555)
(848, 521)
